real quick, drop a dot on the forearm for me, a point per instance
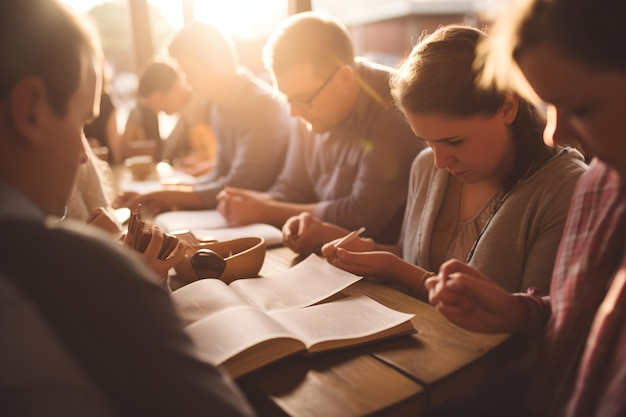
(410, 276)
(395, 249)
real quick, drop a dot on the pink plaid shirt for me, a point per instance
(583, 366)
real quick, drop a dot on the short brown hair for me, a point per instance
(308, 37)
(42, 38)
(206, 43)
(157, 76)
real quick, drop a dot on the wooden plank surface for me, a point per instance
(441, 357)
(342, 383)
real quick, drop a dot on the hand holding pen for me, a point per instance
(347, 242)
(349, 237)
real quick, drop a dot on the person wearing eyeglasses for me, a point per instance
(350, 156)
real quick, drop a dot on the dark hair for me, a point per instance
(591, 31)
(41, 38)
(207, 44)
(157, 76)
(308, 38)
(439, 76)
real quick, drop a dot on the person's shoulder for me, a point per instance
(425, 158)
(254, 94)
(251, 84)
(558, 177)
(601, 178)
(374, 75)
(424, 164)
(80, 248)
(23, 326)
(565, 165)
(85, 239)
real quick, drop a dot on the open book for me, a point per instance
(208, 225)
(256, 321)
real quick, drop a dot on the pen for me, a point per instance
(349, 237)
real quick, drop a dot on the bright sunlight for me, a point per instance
(242, 19)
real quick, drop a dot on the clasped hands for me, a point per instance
(240, 206)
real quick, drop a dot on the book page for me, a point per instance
(204, 297)
(272, 235)
(345, 322)
(209, 225)
(304, 284)
(190, 219)
(242, 338)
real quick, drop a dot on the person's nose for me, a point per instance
(443, 157)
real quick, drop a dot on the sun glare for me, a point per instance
(241, 19)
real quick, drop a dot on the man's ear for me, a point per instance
(510, 107)
(28, 101)
(346, 74)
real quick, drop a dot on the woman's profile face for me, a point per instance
(590, 103)
(474, 150)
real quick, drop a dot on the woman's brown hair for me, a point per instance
(440, 76)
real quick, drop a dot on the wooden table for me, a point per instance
(409, 375)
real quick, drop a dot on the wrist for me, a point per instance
(520, 322)
(420, 288)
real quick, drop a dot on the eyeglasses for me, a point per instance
(309, 101)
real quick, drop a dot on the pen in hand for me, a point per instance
(349, 237)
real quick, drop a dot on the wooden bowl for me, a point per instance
(244, 258)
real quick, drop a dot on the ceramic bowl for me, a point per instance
(244, 258)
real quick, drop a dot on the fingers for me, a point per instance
(290, 232)
(222, 207)
(359, 263)
(329, 250)
(455, 266)
(175, 256)
(156, 241)
(306, 219)
(222, 195)
(299, 235)
(151, 255)
(230, 192)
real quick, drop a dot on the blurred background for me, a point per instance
(132, 31)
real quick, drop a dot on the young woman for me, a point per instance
(572, 54)
(488, 190)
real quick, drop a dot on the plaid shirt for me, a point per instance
(583, 366)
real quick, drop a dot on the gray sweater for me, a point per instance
(519, 245)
